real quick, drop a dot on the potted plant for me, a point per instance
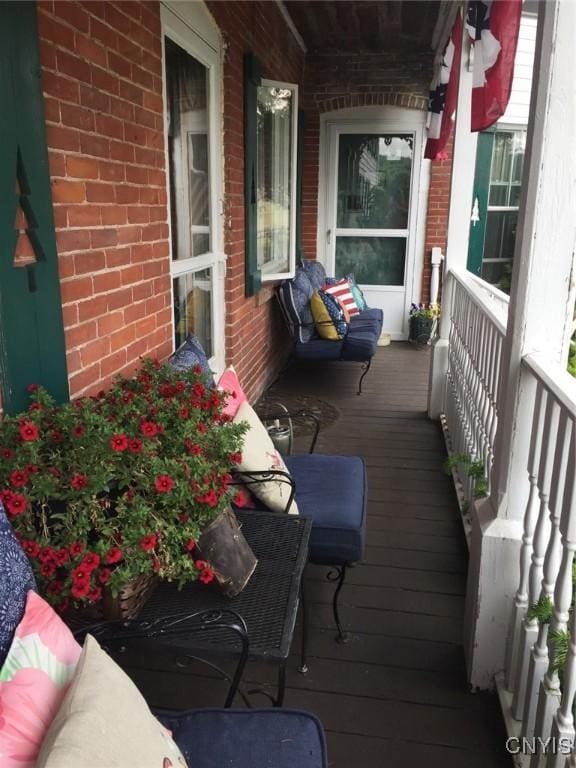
(422, 318)
(107, 490)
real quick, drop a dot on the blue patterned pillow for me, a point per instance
(295, 298)
(189, 354)
(335, 311)
(315, 272)
(16, 578)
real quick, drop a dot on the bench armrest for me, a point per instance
(254, 477)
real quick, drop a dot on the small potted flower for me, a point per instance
(422, 320)
(105, 491)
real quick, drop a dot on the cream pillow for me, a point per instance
(259, 453)
(105, 722)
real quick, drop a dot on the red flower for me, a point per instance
(202, 428)
(46, 555)
(149, 542)
(18, 478)
(33, 469)
(16, 504)
(135, 445)
(104, 575)
(193, 448)
(55, 587)
(54, 472)
(29, 431)
(30, 547)
(240, 499)
(190, 545)
(33, 387)
(119, 442)
(156, 564)
(61, 556)
(149, 428)
(235, 458)
(201, 564)
(91, 561)
(206, 575)
(180, 386)
(210, 498)
(114, 555)
(48, 569)
(78, 431)
(76, 548)
(80, 589)
(183, 518)
(7, 453)
(164, 483)
(199, 389)
(94, 594)
(183, 412)
(82, 573)
(56, 436)
(35, 407)
(79, 481)
(197, 369)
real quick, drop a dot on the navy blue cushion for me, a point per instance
(335, 311)
(319, 349)
(315, 271)
(16, 578)
(295, 298)
(190, 354)
(363, 334)
(331, 490)
(252, 738)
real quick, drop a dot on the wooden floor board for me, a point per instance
(395, 695)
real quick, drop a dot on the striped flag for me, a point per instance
(493, 26)
(444, 94)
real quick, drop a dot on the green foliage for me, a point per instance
(572, 358)
(542, 611)
(473, 468)
(107, 488)
(560, 641)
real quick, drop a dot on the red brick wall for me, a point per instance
(256, 341)
(437, 215)
(101, 74)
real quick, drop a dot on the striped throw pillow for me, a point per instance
(343, 295)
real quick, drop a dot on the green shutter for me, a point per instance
(32, 346)
(252, 79)
(481, 191)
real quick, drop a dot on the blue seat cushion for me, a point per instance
(331, 490)
(363, 334)
(315, 272)
(319, 349)
(295, 298)
(248, 738)
(16, 579)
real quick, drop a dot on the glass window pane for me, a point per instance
(501, 157)
(274, 183)
(494, 271)
(498, 194)
(500, 234)
(193, 308)
(373, 260)
(187, 96)
(514, 195)
(374, 181)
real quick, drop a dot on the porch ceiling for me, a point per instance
(365, 25)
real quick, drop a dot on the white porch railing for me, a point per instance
(478, 327)
(537, 698)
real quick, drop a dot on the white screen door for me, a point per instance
(371, 215)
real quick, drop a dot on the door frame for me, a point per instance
(383, 119)
(190, 26)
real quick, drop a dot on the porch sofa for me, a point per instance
(358, 345)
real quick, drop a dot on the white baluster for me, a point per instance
(562, 479)
(521, 597)
(436, 261)
(539, 655)
(539, 544)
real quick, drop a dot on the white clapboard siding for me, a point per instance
(519, 104)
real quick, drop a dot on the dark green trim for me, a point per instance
(299, 173)
(32, 348)
(481, 191)
(252, 79)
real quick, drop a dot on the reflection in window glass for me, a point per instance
(373, 260)
(374, 181)
(193, 308)
(187, 93)
(274, 183)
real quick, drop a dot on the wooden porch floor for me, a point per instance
(396, 694)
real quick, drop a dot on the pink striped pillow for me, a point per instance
(343, 295)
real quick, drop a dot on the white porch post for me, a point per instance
(461, 188)
(540, 320)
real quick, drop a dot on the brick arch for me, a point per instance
(408, 100)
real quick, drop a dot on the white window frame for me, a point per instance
(267, 271)
(189, 26)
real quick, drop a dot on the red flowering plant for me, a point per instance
(105, 489)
